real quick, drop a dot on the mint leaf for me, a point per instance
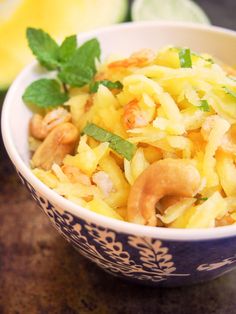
(185, 58)
(43, 47)
(80, 69)
(67, 48)
(109, 84)
(229, 91)
(47, 51)
(76, 76)
(45, 93)
(204, 106)
(117, 143)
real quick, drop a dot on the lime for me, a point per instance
(172, 10)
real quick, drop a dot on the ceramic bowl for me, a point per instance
(148, 255)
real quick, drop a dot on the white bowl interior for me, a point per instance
(156, 35)
(120, 39)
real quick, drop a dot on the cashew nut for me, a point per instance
(167, 201)
(168, 177)
(40, 126)
(59, 142)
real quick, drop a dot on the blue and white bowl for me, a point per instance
(148, 255)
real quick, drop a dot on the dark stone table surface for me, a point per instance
(41, 273)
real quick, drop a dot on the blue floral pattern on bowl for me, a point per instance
(140, 259)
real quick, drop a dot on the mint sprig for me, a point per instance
(75, 66)
(45, 93)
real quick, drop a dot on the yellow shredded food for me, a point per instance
(164, 110)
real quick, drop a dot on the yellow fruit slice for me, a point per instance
(60, 18)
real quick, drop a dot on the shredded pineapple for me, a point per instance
(167, 112)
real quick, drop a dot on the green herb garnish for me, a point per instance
(117, 143)
(204, 106)
(229, 92)
(43, 47)
(109, 84)
(185, 58)
(80, 69)
(210, 60)
(67, 49)
(75, 67)
(45, 93)
(203, 199)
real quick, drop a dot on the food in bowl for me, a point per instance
(151, 255)
(149, 138)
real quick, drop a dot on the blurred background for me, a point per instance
(39, 271)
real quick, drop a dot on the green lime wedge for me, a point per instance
(171, 10)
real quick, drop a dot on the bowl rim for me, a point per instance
(83, 213)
